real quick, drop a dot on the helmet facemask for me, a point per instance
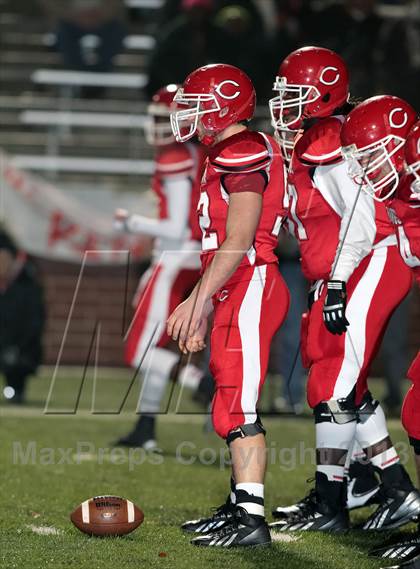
(185, 122)
(414, 170)
(286, 140)
(373, 166)
(291, 97)
(158, 130)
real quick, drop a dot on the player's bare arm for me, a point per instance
(242, 222)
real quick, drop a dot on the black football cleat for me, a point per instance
(362, 490)
(398, 507)
(285, 512)
(142, 436)
(244, 530)
(406, 549)
(314, 515)
(410, 564)
(133, 440)
(222, 516)
(362, 486)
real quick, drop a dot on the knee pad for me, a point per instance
(338, 411)
(247, 430)
(366, 408)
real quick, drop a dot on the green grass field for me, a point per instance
(38, 496)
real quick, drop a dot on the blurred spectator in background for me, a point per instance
(352, 29)
(21, 319)
(288, 29)
(398, 59)
(245, 46)
(285, 359)
(101, 21)
(188, 42)
(171, 9)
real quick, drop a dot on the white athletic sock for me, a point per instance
(232, 490)
(356, 454)
(190, 376)
(160, 364)
(337, 437)
(250, 496)
(373, 436)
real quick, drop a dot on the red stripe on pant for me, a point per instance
(246, 316)
(336, 364)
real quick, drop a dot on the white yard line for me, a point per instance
(284, 537)
(44, 530)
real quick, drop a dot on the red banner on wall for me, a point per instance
(48, 222)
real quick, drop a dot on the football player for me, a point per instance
(375, 143)
(350, 254)
(175, 266)
(240, 212)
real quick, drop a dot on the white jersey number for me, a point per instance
(209, 240)
(299, 228)
(405, 249)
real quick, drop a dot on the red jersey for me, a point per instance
(175, 162)
(247, 161)
(313, 221)
(404, 213)
(322, 196)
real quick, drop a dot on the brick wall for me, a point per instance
(101, 298)
(98, 295)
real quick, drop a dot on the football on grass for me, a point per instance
(107, 515)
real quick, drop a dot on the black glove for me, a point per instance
(335, 307)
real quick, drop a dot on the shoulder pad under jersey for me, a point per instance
(404, 191)
(242, 153)
(321, 144)
(174, 160)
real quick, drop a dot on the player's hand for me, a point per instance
(196, 343)
(187, 320)
(182, 322)
(335, 307)
(120, 219)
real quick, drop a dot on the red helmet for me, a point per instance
(158, 127)
(311, 82)
(373, 137)
(217, 96)
(412, 158)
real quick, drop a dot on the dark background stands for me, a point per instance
(21, 318)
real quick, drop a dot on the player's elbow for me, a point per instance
(240, 242)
